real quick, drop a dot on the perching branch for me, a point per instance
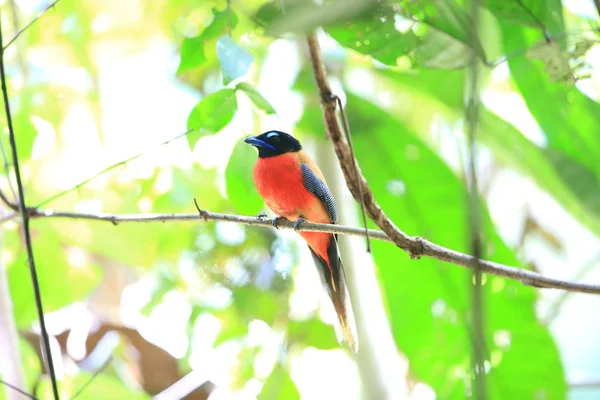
(25, 216)
(427, 248)
(414, 245)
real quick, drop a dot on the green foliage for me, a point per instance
(196, 50)
(404, 158)
(437, 34)
(313, 333)
(302, 16)
(211, 114)
(235, 60)
(254, 95)
(431, 322)
(240, 187)
(102, 387)
(62, 280)
(279, 385)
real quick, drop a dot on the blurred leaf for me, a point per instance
(60, 282)
(304, 16)
(526, 12)
(235, 60)
(582, 182)
(312, 332)
(437, 313)
(254, 95)
(510, 147)
(211, 114)
(279, 385)
(232, 326)
(102, 387)
(25, 134)
(556, 61)
(239, 184)
(252, 303)
(193, 49)
(31, 364)
(568, 118)
(551, 171)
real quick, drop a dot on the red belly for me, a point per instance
(279, 182)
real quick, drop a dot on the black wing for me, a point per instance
(316, 186)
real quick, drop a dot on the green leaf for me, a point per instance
(193, 50)
(252, 303)
(31, 364)
(305, 16)
(235, 60)
(279, 385)
(534, 13)
(61, 282)
(239, 185)
(211, 114)
(254, 95)
(192, 53)
(313, 332)
(102, 386)
(568, 118)
(232, 326)
(375, 34)
(583, 183)
(442, 39)
(510, 147)
(438, 313)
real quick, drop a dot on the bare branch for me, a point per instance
(40, 14)
(427, 248)
(25, 215)
(107, 169)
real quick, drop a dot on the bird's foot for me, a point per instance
(262, 215)
(277, 220)
(298, 222)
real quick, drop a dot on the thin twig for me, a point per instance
(426, 248)
(346, 126)
(26, 233)
(89, 381)
(40, 14)
(7, 170)
(471, 117)
(105, 170)
(16, 389)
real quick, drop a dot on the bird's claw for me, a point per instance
(276, 221)
(262, 215)
(298, 222)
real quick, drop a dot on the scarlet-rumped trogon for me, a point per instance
(293, 187)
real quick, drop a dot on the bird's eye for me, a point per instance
(273, 135)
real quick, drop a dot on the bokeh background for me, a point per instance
(220, 310)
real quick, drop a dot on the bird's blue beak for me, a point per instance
(256, 142)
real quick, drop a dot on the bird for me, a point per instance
(293, 187)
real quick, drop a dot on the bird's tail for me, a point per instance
(333, 278)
